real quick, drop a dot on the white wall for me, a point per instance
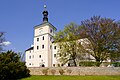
(46, 52)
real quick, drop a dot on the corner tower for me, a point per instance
(42, 47)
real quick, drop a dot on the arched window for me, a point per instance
(43, 65)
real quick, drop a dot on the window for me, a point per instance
(39, 56)
(58, 65)
(60, 47)
(54, 47)
(43, 38)
(62, 65)
(33, 56)
(42, 46)
(60, 55)
(54, 55)
(65, 55)
(29, 57)
(50, 30)
(37, 39)
(29, 63)
(43, 65)
(53, 65)
(68, 64)
(50, 46)
(50, 38)
(37, 47)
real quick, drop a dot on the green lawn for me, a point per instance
(73, 78)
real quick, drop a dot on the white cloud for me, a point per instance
(5, 43)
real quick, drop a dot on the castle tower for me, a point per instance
(40, 55)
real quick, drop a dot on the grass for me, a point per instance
(72, 78)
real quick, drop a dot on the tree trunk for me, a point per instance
(74, 62)
(98, 62)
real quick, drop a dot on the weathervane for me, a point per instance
(45, 4)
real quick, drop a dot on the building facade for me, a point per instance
(41, 53)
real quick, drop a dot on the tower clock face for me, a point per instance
(41, 31)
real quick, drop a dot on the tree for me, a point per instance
(69, 46)
(11, 68)
(104, 37)
(1, 41)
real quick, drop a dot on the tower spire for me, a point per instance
(45, 14)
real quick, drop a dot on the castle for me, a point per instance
(43, 53)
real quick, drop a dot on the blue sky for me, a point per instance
(18, 17)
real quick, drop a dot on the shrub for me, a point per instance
(69, 71)
(104, 64)
(45, 71)
(53, 71)
(89, 63)
(116, 64)
(61, 71)
(11, 67)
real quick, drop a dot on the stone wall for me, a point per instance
(77, 70)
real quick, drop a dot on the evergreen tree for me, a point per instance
(11, 68)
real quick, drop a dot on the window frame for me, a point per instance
(37, 39)
(51, 30)
(55, 55)
(43, 38)
(43, 46)
(37, 47)
(55, 47)
(40, 56)
(29, 57)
